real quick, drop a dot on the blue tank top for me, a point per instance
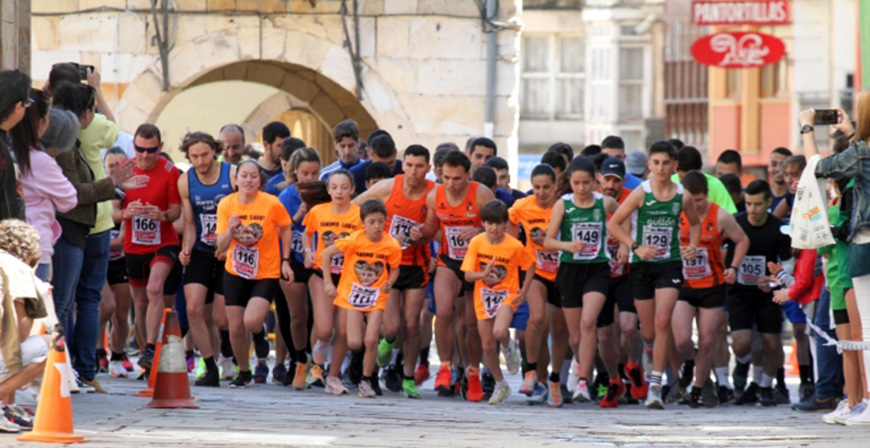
(204, 199)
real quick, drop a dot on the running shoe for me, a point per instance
(392, 378)
(573, 374)
(529, 383)
(475, 388)
(749, 396)
(320, 350)
(102, 361)
(488, 384)
(807, 391)
(191, 362)
(695, 398)
(767, 396)
(365, 389)
(861, 418)
(512, 357)
(444, 381)
(740, 376)
(854, 412)
(200, 368)
(117, 370)
(677, 394)
(654, 397)
(639, 385)
(243, 380)
(261, 372)
(299, 378)
(815, 405)
(315, 376)
(709, 395)
(376, 384)
(687, 372)
(18, 416)
(335, 387)
(385, 352)
(726, 395)
(355, 367)
(500, 394)
(147, 358)
(647, 359)
(279, 372)
(227, 368)
(539, 394)
(421, 374)
(614, 390)
(211, 378)
(126, 362)
(7, 426)
(410, 389)
(554, 400)
(781, 394)
(566, 394)
(581, 392)
(94, 385)
(841, 410)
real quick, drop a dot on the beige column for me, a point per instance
(15, 35)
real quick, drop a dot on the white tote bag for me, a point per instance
(810, 228)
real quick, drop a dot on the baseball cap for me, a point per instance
(635, 162)
(613, 166)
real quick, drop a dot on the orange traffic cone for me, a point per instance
(148, 392)
(793, 368)
(54, 420)
(172, 389)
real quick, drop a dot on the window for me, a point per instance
(553, 77)
(631, 69)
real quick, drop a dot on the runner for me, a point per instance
(405, 198)
(453, 208)
(656, 272)
(233, 138)
(249, 225)
(150, 240)
(305, 163)
(346, 136)
(493, 262)
(578, 221)
(370, 271)
(274, 134)
(324, 224)
(201, 189)
(532, 213)
(703, 295)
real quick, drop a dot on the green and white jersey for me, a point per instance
(587, 225)
(657, 223)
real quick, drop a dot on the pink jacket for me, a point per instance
(46, 190)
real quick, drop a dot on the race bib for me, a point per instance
(363, 296)
(751, 270)
(296, 244)
(246, 260)
(616, 268)
(115, 254)
(456, 246)
(145, 231)
(590, 234)
(336, 263)
(492, 301)
(699, 267)
(209, 229)
(400, 229)
(660, 237)
(546, 261)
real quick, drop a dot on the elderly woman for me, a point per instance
(43, 185)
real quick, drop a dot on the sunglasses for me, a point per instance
(151, 150)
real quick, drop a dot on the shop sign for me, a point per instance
(738, 49)
(747, 12)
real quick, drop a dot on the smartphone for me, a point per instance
(83, 71)
(826, 116)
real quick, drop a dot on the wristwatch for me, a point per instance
(807, 128)
(634, 246)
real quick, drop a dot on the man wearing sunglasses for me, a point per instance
(14, 99)
(150, 240)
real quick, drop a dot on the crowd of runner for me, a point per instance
(626, 278)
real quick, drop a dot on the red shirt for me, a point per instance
(143, 235)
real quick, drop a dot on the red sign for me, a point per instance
(738, 50)
(746, 12)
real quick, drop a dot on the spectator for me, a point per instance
(14, 100)
(636, 164)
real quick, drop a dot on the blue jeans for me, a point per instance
(43, 271)
(67, 262)
(95, 266)
(830, 382)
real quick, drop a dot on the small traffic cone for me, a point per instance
(54, 420)
(793, 368)
(172, 389)
(148, 392)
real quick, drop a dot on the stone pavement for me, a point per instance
(272, 416)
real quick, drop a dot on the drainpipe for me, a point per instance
(491, 54)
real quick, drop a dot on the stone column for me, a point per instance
(15, 35)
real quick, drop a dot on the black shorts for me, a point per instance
(704, 298)
(647, 277)
(553, 296)
(240, 290)
(746, 309)
(139, 268)
(576, 279)
(301, 274)
(455, 266)
(620, 293)
(412, 277)
(117, 273)
(335, 277)
(206, 270)
(841, 317)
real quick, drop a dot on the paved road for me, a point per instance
(273, 416)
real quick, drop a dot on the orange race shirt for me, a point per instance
(254, 253)
(454, 220)
(329, 227)
(143, 235)
(500, 288)
(616, 270)
(367, 267)
(708, 268)
(404, 214)
(535, 220)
